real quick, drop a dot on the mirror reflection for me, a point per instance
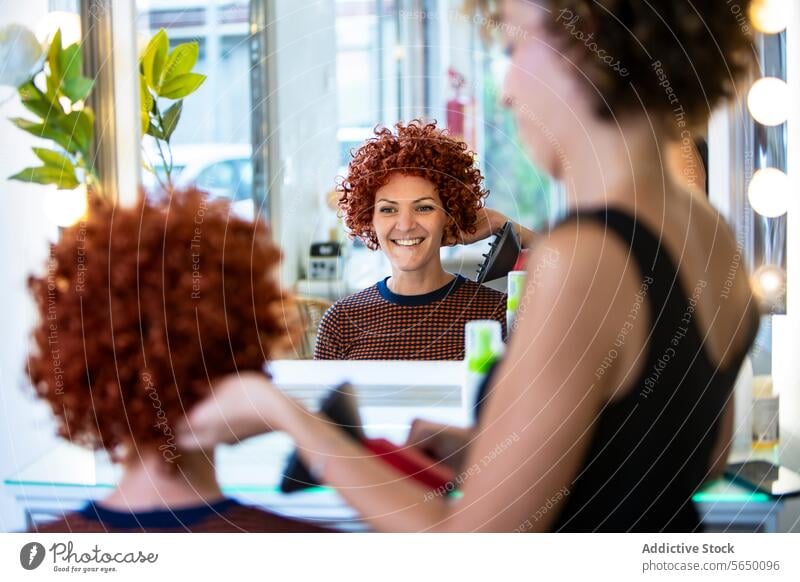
(371, 77)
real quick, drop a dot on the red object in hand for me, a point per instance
(522, 260)
(412, 462)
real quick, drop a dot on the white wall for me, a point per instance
(25, 427)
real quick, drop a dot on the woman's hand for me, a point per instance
(440, 441)
(490, 222)
(240, 406)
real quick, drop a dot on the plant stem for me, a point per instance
(167, 165)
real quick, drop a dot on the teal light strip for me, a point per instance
(746, 497)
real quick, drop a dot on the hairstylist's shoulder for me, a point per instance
(582, 253)
(582, 277)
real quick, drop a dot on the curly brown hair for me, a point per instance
(141, 308)
(658, 57)
(415, 149)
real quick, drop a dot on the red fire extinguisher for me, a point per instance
(459, 109)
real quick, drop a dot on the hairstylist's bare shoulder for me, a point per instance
(583, 282)
(582, 254)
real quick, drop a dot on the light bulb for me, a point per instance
(768, 192)
(68, 22)
(769, 283)
(768, 101)
(65, 207)
(770, 16)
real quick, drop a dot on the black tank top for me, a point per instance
(652, 448)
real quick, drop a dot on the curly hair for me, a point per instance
(670, 58)
(416, 149)
(141, 308)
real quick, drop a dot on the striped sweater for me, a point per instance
(376, 324)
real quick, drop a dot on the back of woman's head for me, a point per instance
(673, 60)
(141, 308)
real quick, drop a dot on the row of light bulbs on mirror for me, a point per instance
(768, 192)
(768, 101)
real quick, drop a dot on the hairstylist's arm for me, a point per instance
(246, 405)
(441, 441)
(238, 408)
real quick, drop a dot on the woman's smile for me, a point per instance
(407, 242)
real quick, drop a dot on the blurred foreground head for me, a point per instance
(141, 308)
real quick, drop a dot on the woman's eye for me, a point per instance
(386, 210)
(424, 208)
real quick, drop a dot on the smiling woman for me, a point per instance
(408, 193)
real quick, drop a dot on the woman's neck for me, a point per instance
(418, 282)
(148, 482)
(619, 166)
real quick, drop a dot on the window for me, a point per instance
(220, 179)
(518, 189)
(366, 69)
(211, 144)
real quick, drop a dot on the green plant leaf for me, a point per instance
(69, 62)
(77, 89)
(80, 125)
(145, 104)
(53, 62)
(171, 118)
(153, 59)
(53, 159)
(64, 179)
(34, 100)
(52, 129)
(182, 86)
(154, 131)
(180, 61)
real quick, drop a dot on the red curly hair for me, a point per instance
(416, 149)
(141, 308)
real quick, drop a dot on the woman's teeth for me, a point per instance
(408, 242)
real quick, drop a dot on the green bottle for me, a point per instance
(516, 287)
(483, 347)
